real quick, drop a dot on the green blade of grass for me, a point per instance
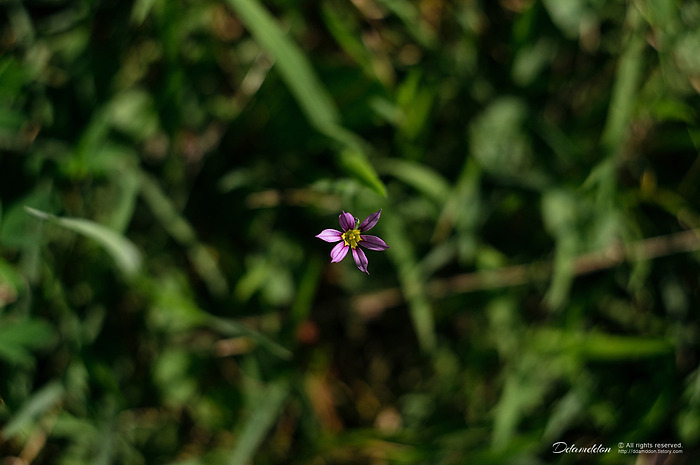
(412, 282)
(347, 34)
(301, 308)
(261, 420)
(626, 85)
(308, 90)
(180, 229)
(233, 328)
(42, 401)
(291, 62)
(422, 178)
(126, 255)
(598, 346)
(410, 15)
(356, 164)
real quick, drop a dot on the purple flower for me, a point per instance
(351, 236)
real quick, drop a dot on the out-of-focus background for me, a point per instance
(165, 166)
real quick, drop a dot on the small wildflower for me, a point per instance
(351, 236)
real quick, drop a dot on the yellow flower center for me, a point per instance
(351, 237)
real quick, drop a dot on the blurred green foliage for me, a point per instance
(164, 167)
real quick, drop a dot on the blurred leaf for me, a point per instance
(140, 10)
(524, 387)
(412, 283)
(293, 65)
(626, 85)
(307, 89)
(174, 309)
(415, 99)
(171, 373)
(11, 283)
(567, 412)
(463, 210)
(133, 112)
(88, 155)
(180, 229)
(232, 327)
(69, 426)
(531, 59)
(19, 338)
(659, 104)
(356, 164)
(674, 297)
(660, 14)
(689, 421)
(387, 110)
(420, 177)
(279, 287)
(609, 347)
(347, 35)
(17, 228)
(595, 345)
(128, 188)
(505, 326)
(438, 257)
(125, 254)
(235, 180)
(257, 270)
(524, 384)
(502, 147)
(262, 418)
(559, 213)
(38, 404)
(569, 15)
(687, 59)
(352, 158)
(306, 292)
(410, 14)
(562, 274)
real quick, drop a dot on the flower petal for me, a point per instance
(347, 221)
(370, 221)
(373, 243)
(360, 259)
(339, 252)
(330, 235)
